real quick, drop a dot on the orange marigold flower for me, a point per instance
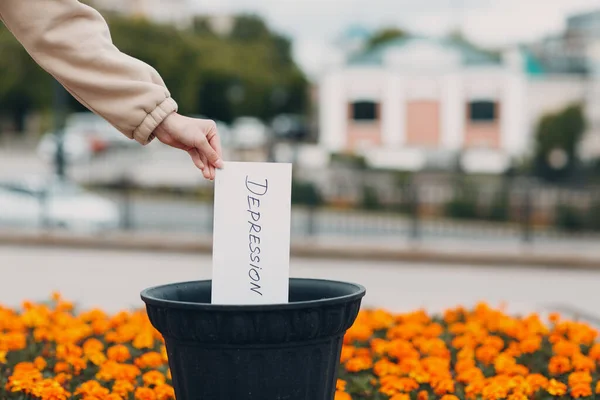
(164, 392)
(379, 346)
(423, 395)
(556, 388)
(486, 354)
(144, 393)
(464, 364)
(358, 332)
(3, 357)
(400, 396)
(597, 387)
(339, 395)
(385, 367)
(579, 377)
(594, 353)
(581, 389)
(449, 397)
(49, 389)
(559, 365)
(63, 378)
(151, 359)
(340, 385)
(61, 366)
(537, 381)
(347, 353)
(122, 388)
(92, 345)
(444, 386)
(470, 375)
(153, 378)
(113, 396)
(583, 363)
(118, 353)
(64, 351)
(144, 340)
(39, 363)
(357, 364)
(531, 344)
(393, 384)
(565, 348)
(92, 388)
(97, 358)
(517, 396)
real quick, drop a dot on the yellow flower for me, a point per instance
(556, 388)
(3, 357)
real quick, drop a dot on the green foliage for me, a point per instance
(23, 84)
(251, 72)
(306, 193)
(569, 219)
(370, 199)
(462, 208)
(500, 207)
(385, 35)
(560, 131)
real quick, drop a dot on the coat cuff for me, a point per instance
(143, 134)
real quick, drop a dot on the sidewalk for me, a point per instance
(113, 280)
(548, 254)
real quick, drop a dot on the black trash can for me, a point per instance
(257, 352)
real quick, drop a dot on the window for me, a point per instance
(482, 111)
(364, 111)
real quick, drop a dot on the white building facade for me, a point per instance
(413, 102)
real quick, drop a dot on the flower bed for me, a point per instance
(49, 352)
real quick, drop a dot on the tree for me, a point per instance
(556, 140)
(250, 72)
(385, 35)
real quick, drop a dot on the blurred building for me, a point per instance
(174, 12)
(568, 51)
(418, 103)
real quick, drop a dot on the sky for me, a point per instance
(314, 24)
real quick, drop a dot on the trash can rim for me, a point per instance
(358, 292)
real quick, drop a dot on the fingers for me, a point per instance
(215, 141)
(204, 147)
(196, 159)
(206, 169)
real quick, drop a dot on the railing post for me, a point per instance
(526, 209)
(126, 217)
(415, 226)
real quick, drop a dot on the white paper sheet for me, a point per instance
(251, 233)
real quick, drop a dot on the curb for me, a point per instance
(306, 249)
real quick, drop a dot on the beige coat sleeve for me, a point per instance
(72, 42)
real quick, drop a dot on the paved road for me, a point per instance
(113, 280)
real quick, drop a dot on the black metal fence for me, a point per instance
(415, 209)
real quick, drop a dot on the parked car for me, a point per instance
(290, 126)
(85, 135)
(61, 203)
(249, 133)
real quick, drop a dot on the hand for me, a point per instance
(196, 136)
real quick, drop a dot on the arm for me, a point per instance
(72, 42)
